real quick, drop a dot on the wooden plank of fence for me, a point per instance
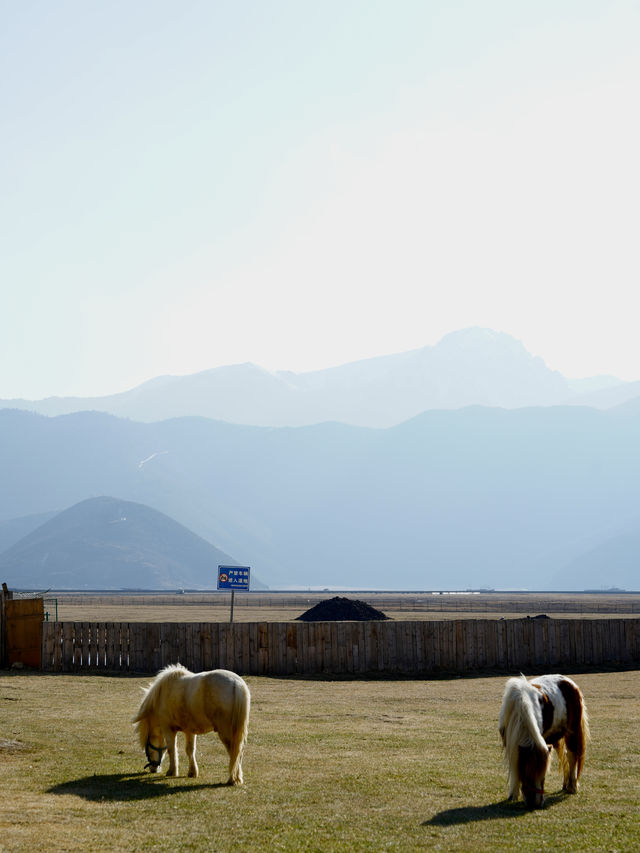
(318, 646)
(263, 648)
(428, 631)
(82, 643)
(344, 639)
(214, 629)
(564, 646)
(459, 645)
(537, 627)
(621, 640)
(399, 647)
(185, 645)
(136, 664)
(302, 639)
(327, 647)
(357, 642)
(220, 645)
(627, 641)
(332, 648)
(469, 645)
(153, 641)
(204, 641)
(244, 665)
(291, 639)
(368, 638)
(100, 652)
(48, 635)
(112, 646)
(599, 642)
(448, 646)
(58, 646)
(67, 646)
(272, 649)
(252, 651)
(87, 638)
(409, 647)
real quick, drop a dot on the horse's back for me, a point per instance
(218, 691)
(221, 683)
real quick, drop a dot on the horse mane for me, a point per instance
(151, 695)
(519, 725)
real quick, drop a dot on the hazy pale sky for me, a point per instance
(301, 184)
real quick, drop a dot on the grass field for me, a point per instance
(330, 766)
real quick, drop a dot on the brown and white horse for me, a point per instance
(546, 711)
(181, 701)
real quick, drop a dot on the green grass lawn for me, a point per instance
(330, 765)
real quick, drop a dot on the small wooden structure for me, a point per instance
(20, 629)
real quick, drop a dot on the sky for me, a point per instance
(300, 184)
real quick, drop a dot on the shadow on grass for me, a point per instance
(118, 787)
(503, 810)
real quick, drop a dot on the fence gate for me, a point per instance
(24, 617)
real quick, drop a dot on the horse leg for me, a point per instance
(573, 763)
(235, 748)
(190, 744)
(172, 751)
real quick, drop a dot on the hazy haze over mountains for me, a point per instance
(469, 367)
(477, 497)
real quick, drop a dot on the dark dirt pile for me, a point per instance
(340, 609)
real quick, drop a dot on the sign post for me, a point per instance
(233, 578)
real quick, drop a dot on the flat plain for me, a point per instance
(285, 607)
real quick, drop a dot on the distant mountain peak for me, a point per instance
(476, 335)
(474, 366)
(478, 338)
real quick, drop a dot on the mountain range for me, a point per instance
(469, 367)
(536, 497)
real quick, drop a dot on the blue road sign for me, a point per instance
(233, 577)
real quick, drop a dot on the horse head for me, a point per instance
(154, 754)
(533, 764)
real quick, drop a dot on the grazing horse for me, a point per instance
(546, 711)
(180, 701)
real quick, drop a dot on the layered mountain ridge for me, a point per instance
(469, 367)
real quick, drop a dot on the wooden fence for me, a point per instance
(336, 648)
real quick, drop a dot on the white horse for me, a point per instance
(180, 701)
(536, 715)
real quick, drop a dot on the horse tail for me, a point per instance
(241, 706)
(584, 734)
(577, 733)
